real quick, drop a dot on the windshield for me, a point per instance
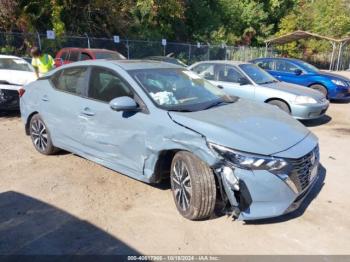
(308, 67)
(258, 75)
(109, 55)
(178, 89)
(14, 64)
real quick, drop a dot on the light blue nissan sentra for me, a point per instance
(150, 120)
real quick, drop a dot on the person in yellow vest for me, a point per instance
(42, 63)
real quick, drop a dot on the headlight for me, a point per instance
(249, 161)
(338, 82)
(304, 100)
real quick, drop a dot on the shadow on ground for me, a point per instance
(9, 114)
(300, 211)
(31, 227)
(317, 122)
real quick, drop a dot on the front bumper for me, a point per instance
(341, 93)
(9, 99)
(309, 111)
(263, 194)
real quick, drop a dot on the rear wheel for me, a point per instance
(321, 89)
(193, 186)
(280, 104)
(41, 136)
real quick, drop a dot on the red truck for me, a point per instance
(74, 54)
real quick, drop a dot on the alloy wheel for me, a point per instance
(39, 135)
(181, 183)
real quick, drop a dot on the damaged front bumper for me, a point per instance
(259, 194)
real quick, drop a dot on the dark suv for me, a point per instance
(72, 54)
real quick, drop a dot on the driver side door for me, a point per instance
(114, 139)
(233, 82)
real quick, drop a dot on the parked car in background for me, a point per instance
(295, 71)
(167, 59)
(73, 54)
(15, 72)
(150, 120)
(248, 81)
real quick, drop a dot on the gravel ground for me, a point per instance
(65, 204)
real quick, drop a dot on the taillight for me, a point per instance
(21, 92)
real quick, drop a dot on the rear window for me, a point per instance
(109, 55)
(73, 56)
(71, 80)
(14, 64)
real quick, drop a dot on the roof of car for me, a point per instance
(10, 56)
(224, 62)
(278, 58)
(87, 49)
(124, 64)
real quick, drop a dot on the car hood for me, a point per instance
(245, 126)
(16, 77)
(334, 76)
(296, 90)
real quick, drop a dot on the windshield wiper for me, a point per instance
(179, 110)
(268, 82)
(217, 104)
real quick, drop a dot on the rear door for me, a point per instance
(62, 106)
(116, 139)
(286, 71)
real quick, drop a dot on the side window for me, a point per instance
(105, 85)
(73, 56)
(205, 70)
(64, 55)
(70, 80)
(85, 56)
(229, 74)
(265, 64)
(285, 66)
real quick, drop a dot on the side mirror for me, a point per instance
(124, 103)
(243, 81)
(298, 72)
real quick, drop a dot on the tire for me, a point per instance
(280, 104)
(40, 136)
(192, 180)
(321, 89)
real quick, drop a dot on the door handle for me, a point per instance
(87, 111)
(220, 86)
(45, 98)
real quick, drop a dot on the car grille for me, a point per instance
(302, 167)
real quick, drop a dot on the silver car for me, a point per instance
(152, 120)
(248, 81)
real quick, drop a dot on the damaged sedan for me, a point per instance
(153, 120)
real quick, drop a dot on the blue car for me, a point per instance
(295, 71)
(153, 120)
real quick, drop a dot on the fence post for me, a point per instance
(39, 40)
(189, 53)
(88, 40)
(127, 48)
(208, 51)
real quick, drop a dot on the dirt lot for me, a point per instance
(66, 204)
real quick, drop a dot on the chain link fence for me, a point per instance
(19, 44)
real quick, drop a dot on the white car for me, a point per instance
(15, 72)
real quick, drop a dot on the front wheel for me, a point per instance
(40, 136)
(193, 186)
(280, 104)
(321, 89)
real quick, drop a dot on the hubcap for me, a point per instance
(39, 135)
(181, 182)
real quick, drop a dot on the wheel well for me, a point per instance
(279, 99)
(28, 122)
(163, 165)
(319, 84)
